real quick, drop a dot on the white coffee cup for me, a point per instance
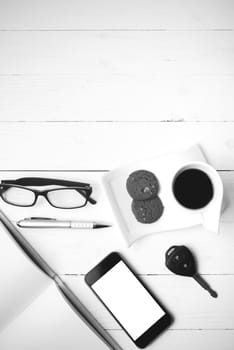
(210, 213)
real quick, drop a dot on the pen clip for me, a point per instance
(39, 218)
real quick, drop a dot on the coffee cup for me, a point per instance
(197, 187)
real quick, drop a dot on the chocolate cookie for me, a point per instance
(142, 184)
(147, 211)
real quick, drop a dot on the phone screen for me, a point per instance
(128, 300)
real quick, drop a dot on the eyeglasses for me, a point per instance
(74, 195)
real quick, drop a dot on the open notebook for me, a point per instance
(33, 312)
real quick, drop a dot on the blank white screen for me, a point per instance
(128, 300)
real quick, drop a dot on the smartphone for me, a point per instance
(129, 301)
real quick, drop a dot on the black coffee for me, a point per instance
(193, 188)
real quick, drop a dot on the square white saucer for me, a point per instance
(164, 167)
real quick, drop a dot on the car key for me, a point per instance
(180, 261)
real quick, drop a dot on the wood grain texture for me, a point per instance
(103, 146)
(184, 339)
(117, 97)
(112, 14)
(131, 53)
(121, 76)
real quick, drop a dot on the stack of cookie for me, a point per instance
(143, 187)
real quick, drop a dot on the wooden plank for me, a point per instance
(179, 295)
(136, 54)
(102, 146)
(75, 252)
(117, 97)
(110, 14)
(127, 76)
(184, 339)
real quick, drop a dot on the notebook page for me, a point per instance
(21, 281)
(49, 323)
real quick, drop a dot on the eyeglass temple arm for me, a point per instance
(40, 181)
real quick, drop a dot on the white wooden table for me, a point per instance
(88, 85)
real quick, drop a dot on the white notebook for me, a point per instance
(33, 313)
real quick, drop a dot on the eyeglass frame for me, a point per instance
(83, 188)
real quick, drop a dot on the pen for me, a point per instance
(41, 222)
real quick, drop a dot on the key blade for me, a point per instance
(205, 285)
(213, 293)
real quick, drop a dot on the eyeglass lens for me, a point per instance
(66, 198)
(19, 196)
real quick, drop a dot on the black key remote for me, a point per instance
(180, 261)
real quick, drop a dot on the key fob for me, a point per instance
(180, 261)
